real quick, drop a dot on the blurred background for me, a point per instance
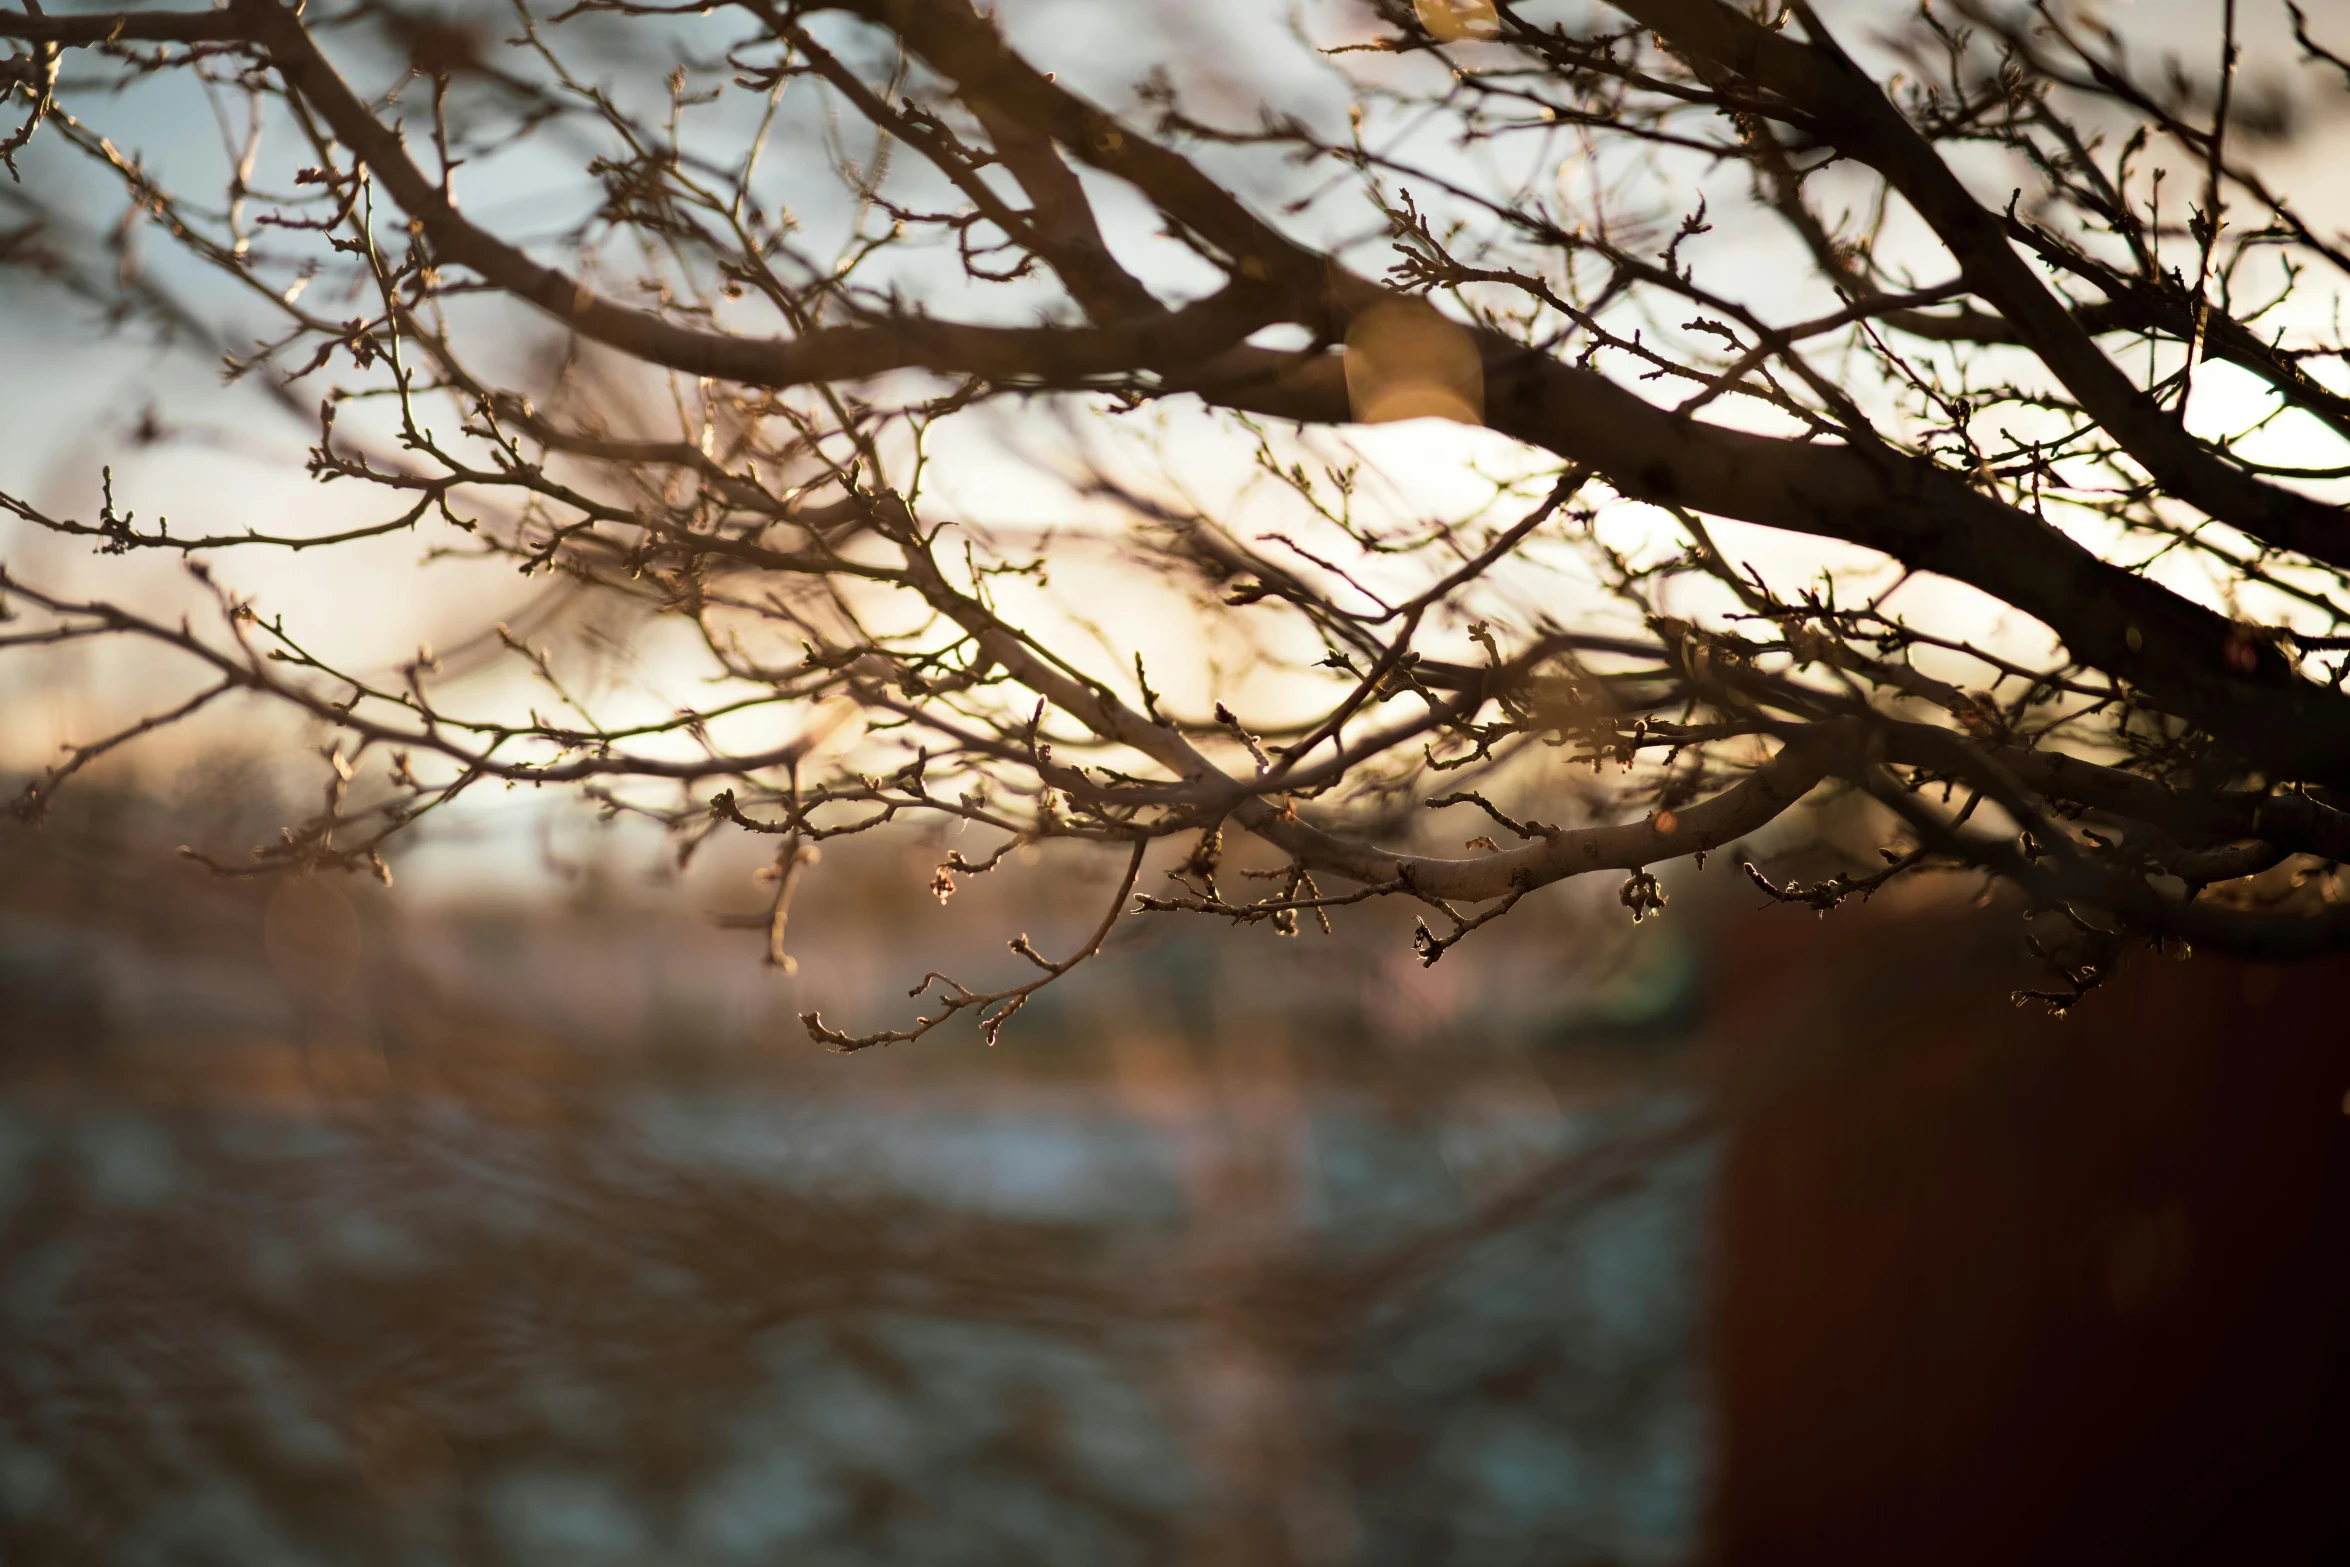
(340, 1223)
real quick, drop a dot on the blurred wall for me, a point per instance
(1995, 1286)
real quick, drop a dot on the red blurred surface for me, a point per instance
(1995, 1286)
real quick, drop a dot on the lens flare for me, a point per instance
(1457, 21)
(1406, 360)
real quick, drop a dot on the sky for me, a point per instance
(237, 462)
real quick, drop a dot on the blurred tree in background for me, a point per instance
(1940, 409)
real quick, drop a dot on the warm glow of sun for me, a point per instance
(1406, 360)
(1457, 21)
